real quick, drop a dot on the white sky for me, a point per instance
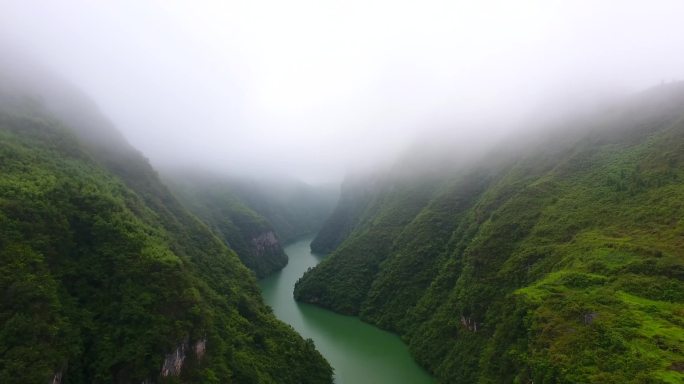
(312, 88)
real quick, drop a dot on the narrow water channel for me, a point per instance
(360, 353)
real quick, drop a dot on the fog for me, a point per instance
(313, 89)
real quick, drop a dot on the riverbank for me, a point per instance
(359, 352)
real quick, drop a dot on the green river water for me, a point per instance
(360, 353)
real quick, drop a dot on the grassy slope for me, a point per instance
(104, 273)
(565, 264)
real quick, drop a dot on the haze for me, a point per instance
(315, 88)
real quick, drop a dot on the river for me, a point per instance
(360, 353)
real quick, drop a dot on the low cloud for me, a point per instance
(312, 89)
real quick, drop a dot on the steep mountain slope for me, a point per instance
(245, 231)
(356, 194)
(292, 207)
(107, 278)
(563, 262)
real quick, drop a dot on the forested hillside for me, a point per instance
(107, 278)
(556, 261)
(249, 234)
(356, 192)
(291, 207)
(255, 218)
(294, 208)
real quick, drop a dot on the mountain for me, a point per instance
(291, 207)
(249, 234)
(254, 217)
(356, 192)
(557, 258)
(105, 276)
(294, 208)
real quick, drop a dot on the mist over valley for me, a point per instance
(341, 192)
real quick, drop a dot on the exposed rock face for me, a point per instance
(468, 323)
(589, 317)
(265, 242)
(173, 363)
(57, 378)
(200, 348)
(266, 253)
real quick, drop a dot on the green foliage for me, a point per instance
(103, 273)
(291, 207)
(243, 230)
(368, 248)
(356, 195)
(560, 265)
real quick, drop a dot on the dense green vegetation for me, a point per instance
(105, 277)
(355, 194)
(559, 262)
(293, 208)
(254, 217)
(245, 231)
